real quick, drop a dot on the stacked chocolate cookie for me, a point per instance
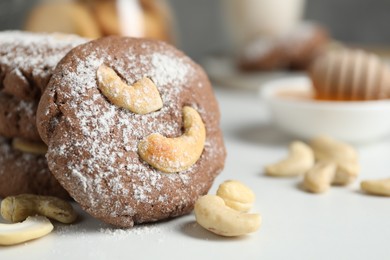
(27, 62)
(131, 125)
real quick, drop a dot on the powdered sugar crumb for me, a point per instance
(142, 232)
(108, 233)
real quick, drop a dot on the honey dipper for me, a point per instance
(350, 75)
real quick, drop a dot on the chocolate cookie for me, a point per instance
(27, 61)
(294, 50)
(18, 117)
(22, 172)
(102, 143)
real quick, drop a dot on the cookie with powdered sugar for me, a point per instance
(27, 60)
(132, 128)
(25, 172)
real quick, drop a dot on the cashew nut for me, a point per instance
(377, 187)
(28, 146)
(344, 155)
(346, 172)
(319, 178)
(31, 228)
(236, 195)
(325, 147)
(212, 213)
(18, 208)
(141, 98)
(176, 154)
(299, 161)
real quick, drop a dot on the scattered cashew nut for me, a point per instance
(141, 98)
(18, 208)
(346, 173)
(299, 161)
(236, 195)
(344, 155)
(29, 146)
(176, 154)
(319, 178)
(325, 147)
(379, 187)
(32, 228)
(212, 213)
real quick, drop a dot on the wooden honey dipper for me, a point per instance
(350, 75)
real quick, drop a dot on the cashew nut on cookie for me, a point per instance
(141, 98)
(176, 154)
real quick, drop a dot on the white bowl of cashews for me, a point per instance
(294, 110)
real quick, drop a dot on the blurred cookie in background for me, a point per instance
(106, 16)
(66, 17)
(158, 20)
(294, 50)
(144, 18)
(97, 18)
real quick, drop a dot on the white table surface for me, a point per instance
(344, 223)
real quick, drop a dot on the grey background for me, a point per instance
(201, 27)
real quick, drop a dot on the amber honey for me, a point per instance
(295, 94)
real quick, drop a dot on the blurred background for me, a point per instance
(200, 27)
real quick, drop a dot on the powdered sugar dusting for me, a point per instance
(38, 53)
(168, 69)
(104, 141)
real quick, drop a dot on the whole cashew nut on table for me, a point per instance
(299, 161)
